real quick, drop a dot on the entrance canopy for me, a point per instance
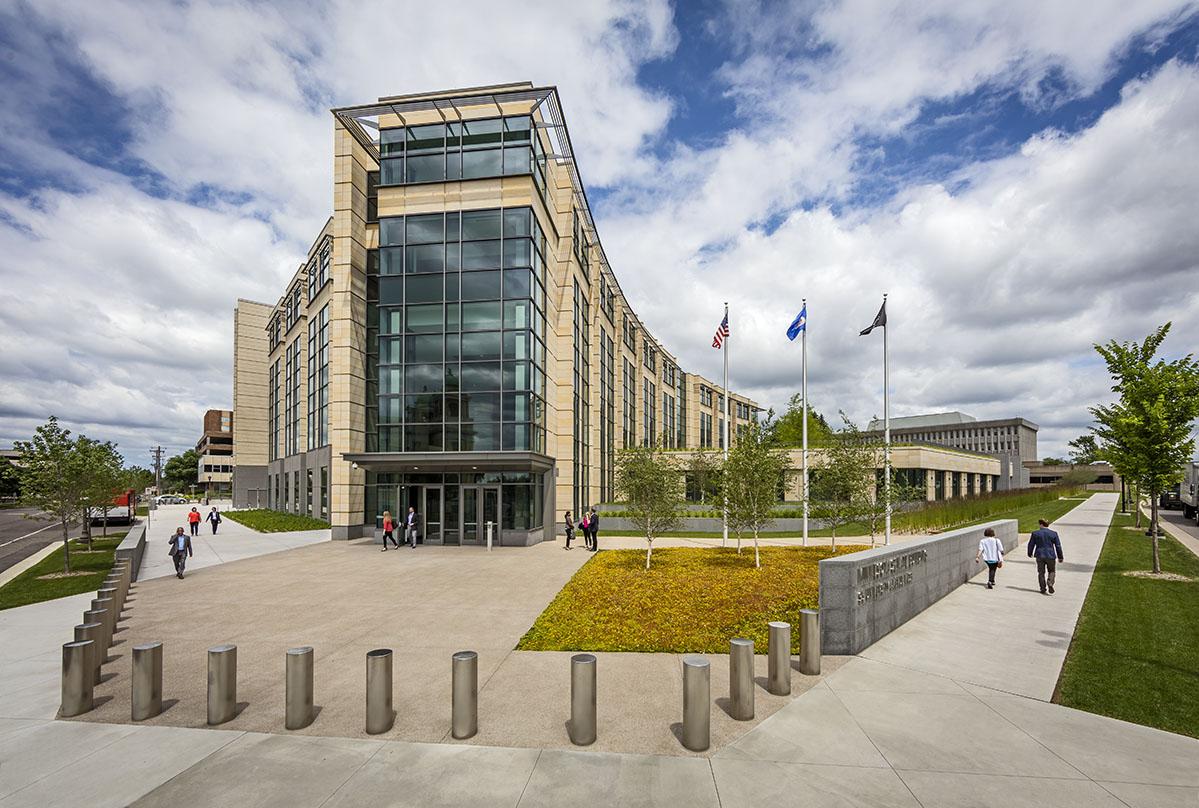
(451, 461)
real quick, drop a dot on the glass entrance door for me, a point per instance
(432, 515)
(480, 505)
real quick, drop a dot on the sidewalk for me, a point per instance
(922, 734)
(232, 541)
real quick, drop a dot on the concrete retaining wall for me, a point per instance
(706, 523)
(133, 546)
(866, 595)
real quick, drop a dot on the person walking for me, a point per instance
(413, 526)
(594, 526)
(389, 527)
(1046, 547)
(991, 551)
(181, 548)
(570, 528)
(214, 517)
(193, 519)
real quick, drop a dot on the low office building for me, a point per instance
(214, 450)
(1012, 441)
(1095, 476)
(456, 340)
(250, 392)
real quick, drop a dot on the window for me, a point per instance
(629, 420)
(705, 430)
(274, 415)
(579, 239)
(308, 491)
(318, 268)
(705, 396)
(669, 427)
(607, 298)
(325, 493)
(650, 356)
(629, 334)
(607, 416)
(461, 150)
(457, 338)
(318, 379)
(649, 404)
(582, 400)
(292, 404)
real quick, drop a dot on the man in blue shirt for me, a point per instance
(1046, 547)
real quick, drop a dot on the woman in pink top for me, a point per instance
(389, 527)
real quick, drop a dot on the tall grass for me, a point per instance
(950, 513)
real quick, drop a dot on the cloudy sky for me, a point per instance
(1022, 177)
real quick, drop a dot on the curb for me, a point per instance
(21, 566)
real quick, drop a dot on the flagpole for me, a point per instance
(886, 434)
(804, 395)
(725, 429)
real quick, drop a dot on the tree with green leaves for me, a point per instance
(137, 478)
(703, 473)
(1084, 450)
(902, 492)
(653, 492)
(1149, 427)
(105, 475)
(54, 478)
(10, 480)
(788, 430)
(843, 485)
(182, 471)
(752, 474)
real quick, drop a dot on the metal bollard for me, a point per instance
(222, 683)
(582, 699)
(298, 673)
(146, 681)
(741, 678)
(697, 703)
(95, 633)
(108, 607)
(809, 642)
(464, 711)
(113, 595)
(77, 682)
(778, 677)
(115, 585)
(99, 616)
(379, 713)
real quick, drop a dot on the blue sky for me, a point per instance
(1003, 169)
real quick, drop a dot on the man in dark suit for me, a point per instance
(594, 529)
(413, 526)
(181, 549)
(1046, 547)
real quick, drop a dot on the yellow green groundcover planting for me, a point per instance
(692, 599)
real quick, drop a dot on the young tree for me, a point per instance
(901, 492)
(751, 478)
(54, 478)
(843, 486)
(137, 478)
(1084, 450)
(104, 473)
(653, 491)
(1151, 423)
(10, 480)
(704, 470)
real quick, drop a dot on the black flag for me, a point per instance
(880, 320)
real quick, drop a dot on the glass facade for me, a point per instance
(318, 379)
(461, 150)
(581, 387)
(291, 403)
(607, 431)
(456, 333)
(629, 421)
(273, 414)
(649, 405)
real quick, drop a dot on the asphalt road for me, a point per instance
(21, 537)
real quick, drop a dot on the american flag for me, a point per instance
(721, 332)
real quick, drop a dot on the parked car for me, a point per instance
(169, 499)
(1189, 492)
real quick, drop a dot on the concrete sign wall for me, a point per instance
(866, 595)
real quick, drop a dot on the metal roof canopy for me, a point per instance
(461, 462)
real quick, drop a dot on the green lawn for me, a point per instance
(267, 521)
(1027, 517)
(26, 588)
(1135, 653)
(692, 600)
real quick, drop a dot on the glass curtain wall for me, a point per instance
(318, 379)
(456, 333)
(582, 400)
(607, 417)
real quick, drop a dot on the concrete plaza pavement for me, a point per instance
(872, 733)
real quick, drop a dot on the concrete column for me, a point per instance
(779, 667)
(930, 485)
(299, 677)
(77, 678)
(582, 699)
(146, 681)
(222, 684)
(741, 678)
(697, 703)
(464, 692)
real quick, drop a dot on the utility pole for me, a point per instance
(156, 453)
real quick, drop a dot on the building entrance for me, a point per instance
(480, 505)
(430, 505)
